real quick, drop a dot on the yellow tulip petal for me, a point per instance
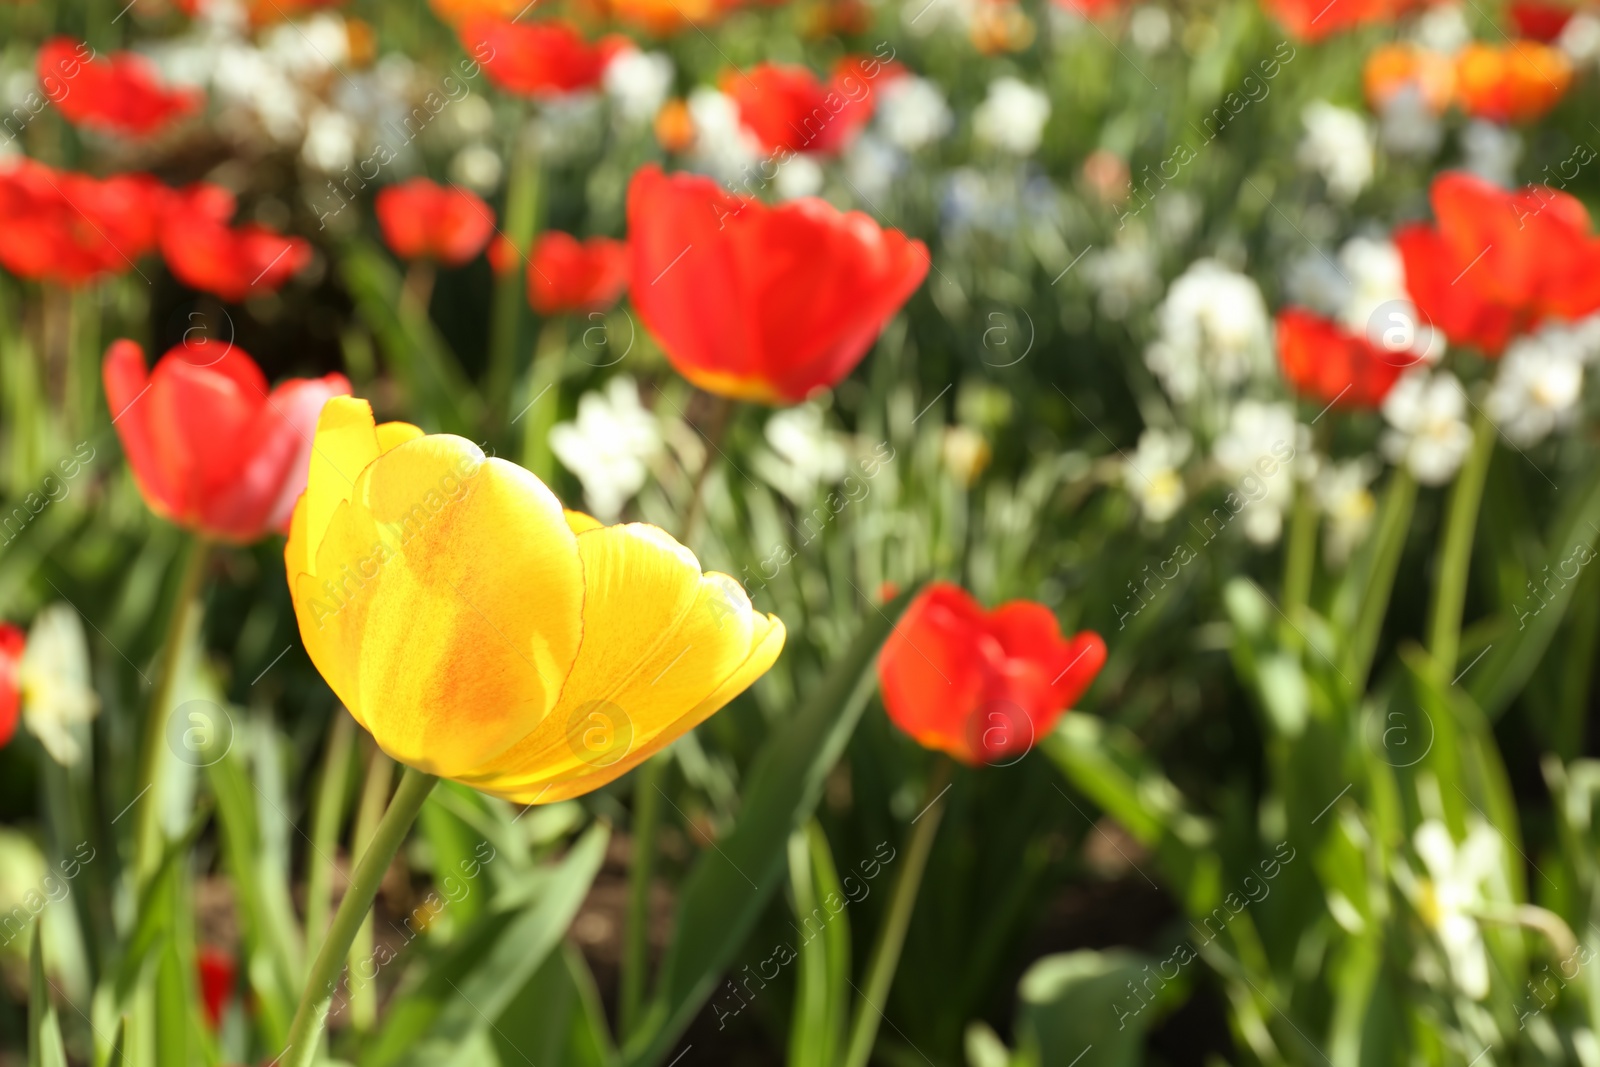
(345, 443)
(459, 603)
(393, 434)
(664, 648)
(582, 522)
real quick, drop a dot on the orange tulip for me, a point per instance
(1519, 82)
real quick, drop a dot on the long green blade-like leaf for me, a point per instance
(1512, 659)
(418, 354)
(44, 1029)
(267, 920)
(822, 999)
(730, 885)
(153, 915)
(483, 972)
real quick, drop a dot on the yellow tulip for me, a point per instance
(483, 634)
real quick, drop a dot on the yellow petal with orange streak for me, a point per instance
(665, 646)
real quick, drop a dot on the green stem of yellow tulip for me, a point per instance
(147, 842)
(1455, 549)
(892, 934)
(325, 822)
(636, 937)
(380, 773)
(305, 1033)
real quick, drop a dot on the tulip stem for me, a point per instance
(417, 289)
(1300, 562)
(636, 939)
(380, 773)
(1455, 549)
(147, 843)
(511, 287)
(721, 414)
(892, 934)
(544, 398)
(312, 1014)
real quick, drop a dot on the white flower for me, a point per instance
(1152, 475)
(1150, 27)
(1213, 328)
(798, 176)
(1408, 126)
(304, 49)
(871, 165)
(1429, 436)
(1580, 38)
(1012, 116)
(1536, 390)
(53, 678)
(608, 446)
(1341, 490)
(568, 127)
(1452, 890)
(912, 112)
(638, 83)
(1379, 306)
(1338, 146)
(330, 143)
(1443, 28)
(722, 146)
(1257, 452)
(478, 167)
(1491, 151)
(805, 454)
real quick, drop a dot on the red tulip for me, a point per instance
(1312, 20)
(1540, 21)
(982, 686)
(70, 228)
(1091, 9)
(423, 220)
(759, 302)
(1325, 362)
(12, 641)
(1498, 263)
(788, 108)
(539, 58)
(210, 448)
(205, 253)
(567, 274)
(120, 95)
(217, 974)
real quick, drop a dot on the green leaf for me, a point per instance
(1531, 624)
(418, 354)
(44, 1028)
(557, 1019)
(731, 883)
(822, 999)
(153, 913)
(269, 932)
(1077, 1008)
(481, 974)
(117, 1055)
